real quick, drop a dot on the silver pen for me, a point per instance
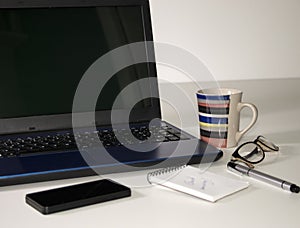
(241, 169)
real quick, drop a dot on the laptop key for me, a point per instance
(173, 131)
(173, 138)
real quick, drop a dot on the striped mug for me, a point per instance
(219, 116)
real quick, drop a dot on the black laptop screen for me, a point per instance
(45, 52)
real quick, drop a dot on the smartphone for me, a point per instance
(65, 198)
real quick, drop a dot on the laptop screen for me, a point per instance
(44, 52)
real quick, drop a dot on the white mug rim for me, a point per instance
(219, 91)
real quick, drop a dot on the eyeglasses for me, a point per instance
(253, 152)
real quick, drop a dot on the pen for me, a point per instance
(263, 177)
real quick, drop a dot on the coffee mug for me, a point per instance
(219, 116)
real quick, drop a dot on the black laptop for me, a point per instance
(46, 47)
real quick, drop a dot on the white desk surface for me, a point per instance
(260, 205)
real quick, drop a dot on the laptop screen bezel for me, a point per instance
(102, 118)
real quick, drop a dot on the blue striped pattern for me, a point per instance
(213, 120)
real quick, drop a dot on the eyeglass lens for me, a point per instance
(266, 144)
(251, 152)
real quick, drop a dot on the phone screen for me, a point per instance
(78, 192)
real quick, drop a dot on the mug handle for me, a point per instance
(240, 106)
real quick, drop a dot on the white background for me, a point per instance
(236, 39)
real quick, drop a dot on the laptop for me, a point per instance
(46, 47)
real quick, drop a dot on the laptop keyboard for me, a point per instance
(66, 141)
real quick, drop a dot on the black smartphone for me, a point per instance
(60, 199)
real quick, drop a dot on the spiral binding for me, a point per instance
(164, 171)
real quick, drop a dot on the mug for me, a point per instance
(219, 116)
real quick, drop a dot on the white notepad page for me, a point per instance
(190, 180)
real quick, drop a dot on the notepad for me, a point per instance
(202, 184)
